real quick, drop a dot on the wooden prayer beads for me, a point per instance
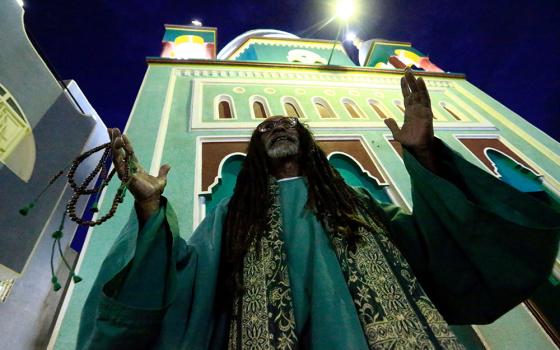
(101, 168)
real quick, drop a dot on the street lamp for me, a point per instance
(345, 9)
(350, 36)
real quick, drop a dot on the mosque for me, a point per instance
(196, 109)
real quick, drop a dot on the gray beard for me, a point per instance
(282, 149)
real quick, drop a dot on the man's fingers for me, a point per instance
(117, 144)
(423, 91)
(411, 80)
(128, 148)
(163, 170)
(127, 145)
(405, 90)
(392, 125)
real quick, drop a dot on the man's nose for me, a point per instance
(279, 127)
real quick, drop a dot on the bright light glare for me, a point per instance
(345, 9)
(20, 2)
(350, 36)
(196, 22)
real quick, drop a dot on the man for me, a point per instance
(298, 259)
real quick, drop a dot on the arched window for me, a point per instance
(450, 109)
(352, 109)
(399, 105)
(291, 107)
(323, 108)
(377, 108)
(224, 110)
(259, 107)
(291, 110)
(223, 107)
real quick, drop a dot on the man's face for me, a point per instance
(280, 137)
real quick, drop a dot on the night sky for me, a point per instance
(509, 49)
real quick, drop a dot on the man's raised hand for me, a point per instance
(417, 131)
(146, 189)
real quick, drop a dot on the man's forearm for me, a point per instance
(427, 157)
(147, 208)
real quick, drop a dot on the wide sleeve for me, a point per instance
(154, 290)
(478, 246)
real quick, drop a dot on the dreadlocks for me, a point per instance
(329, 197)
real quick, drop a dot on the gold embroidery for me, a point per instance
(267, 318)
(392, 308)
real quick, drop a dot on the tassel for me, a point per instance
(25, 210)
(75, 277)
(80, 190)
(54, 279)
(94, 208)
(57, 235)
(56, 285)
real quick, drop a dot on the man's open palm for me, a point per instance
(142, 185)
(417, 131)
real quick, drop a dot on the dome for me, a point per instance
(239, 40)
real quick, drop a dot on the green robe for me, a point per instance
(477, 246)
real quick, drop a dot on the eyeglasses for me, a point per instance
(287, 122)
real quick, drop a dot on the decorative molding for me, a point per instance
(297, 75)
(153, 61)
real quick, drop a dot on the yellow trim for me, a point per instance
(187, 28)
(408, 54)
(188, 38)
(514, 128)
(466, 107)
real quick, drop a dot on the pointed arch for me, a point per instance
(354, 174)
(513, 172)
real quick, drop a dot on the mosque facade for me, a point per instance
(196, 110)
